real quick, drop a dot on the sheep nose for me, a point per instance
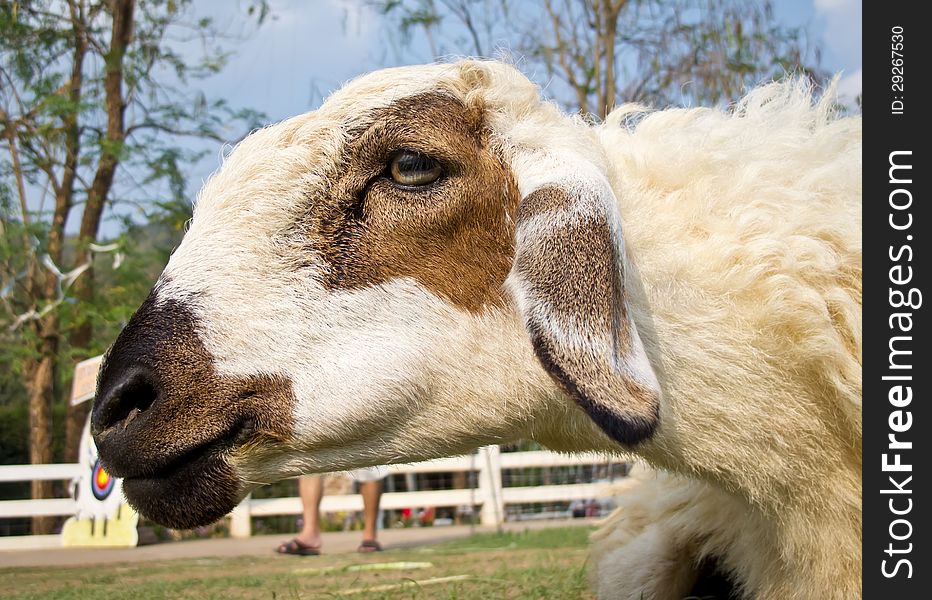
(124, 400)
(135, 410)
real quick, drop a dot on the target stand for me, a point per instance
(102, 518)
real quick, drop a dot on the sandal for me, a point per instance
(298, 548)
(369, 546)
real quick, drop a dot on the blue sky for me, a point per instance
(309, 47)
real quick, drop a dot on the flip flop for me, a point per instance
(369, 546)
(298, 548)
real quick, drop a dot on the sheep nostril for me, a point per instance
(245, 431)
(124, 402)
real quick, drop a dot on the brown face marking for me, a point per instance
(570, 268)
(455, 237)
(165, 420)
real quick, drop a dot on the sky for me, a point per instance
(308, 48)
(838, 22)
(311, 47)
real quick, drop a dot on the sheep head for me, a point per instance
(402, 274)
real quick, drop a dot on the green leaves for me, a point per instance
(96, 98)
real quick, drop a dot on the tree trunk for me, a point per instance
(39, 370)
(69, 173)
(40, 381)
(41, 377)
(605, 37)
(83, 288)
(40, 374)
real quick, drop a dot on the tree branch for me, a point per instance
(562, 49)
(10, 135)
(463, 14)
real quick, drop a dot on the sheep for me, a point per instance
(436, 259)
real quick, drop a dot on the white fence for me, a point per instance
(488, 463)
(50, 507)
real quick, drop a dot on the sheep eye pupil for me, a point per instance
(414, 169)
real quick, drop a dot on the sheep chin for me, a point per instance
(195, 494)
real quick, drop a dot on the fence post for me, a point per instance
(490, 487)
(241, 520)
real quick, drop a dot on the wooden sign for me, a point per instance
(84, 384)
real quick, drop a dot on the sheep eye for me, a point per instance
(414, 169)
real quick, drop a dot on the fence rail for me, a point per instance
(490, 495)
(48, 507)
(10, 473)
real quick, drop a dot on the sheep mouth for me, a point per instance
(195, 488)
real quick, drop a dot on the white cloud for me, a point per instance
(832, 5)
(842, 38)
(850, 86)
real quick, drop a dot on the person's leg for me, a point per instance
(371, 491)
(311, 490)
(370, 488)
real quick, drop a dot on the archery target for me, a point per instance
(101, 481)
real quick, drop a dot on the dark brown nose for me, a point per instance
(150, 384)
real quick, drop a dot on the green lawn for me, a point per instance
(549, 563)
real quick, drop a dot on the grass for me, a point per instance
(542, 564)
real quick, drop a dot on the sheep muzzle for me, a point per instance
(167, 422)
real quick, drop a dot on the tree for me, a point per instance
(659, 52)
(89, 89)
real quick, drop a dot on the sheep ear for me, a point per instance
(568, 280)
